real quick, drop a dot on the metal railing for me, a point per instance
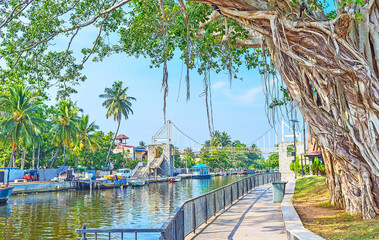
(193, 212)
(136, 168)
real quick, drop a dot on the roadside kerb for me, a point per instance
(294, 227)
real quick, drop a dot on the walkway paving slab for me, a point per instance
(254, 216)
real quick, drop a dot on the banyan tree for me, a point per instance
(324, 62)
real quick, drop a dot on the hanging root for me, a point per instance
(188, 54)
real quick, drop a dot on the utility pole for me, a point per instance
(294, 144)
(305, 148)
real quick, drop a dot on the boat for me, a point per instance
(175, 179)
(5, 189)
(5, 193)
(138, 183)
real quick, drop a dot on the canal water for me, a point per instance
(56, 215)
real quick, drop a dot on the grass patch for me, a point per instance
(310, 188)
(327, 220)
(327, 204)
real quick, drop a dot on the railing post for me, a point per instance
(183, 236)
(84, 234)
(135, 236)
(214, 204)
(238, 191)
(193, 216)
(231, 194)
(224, 199)
(206, 209)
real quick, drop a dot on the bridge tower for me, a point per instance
(160, 156)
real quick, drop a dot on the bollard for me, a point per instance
(84, 235)
(279, 191)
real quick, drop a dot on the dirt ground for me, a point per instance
(310, 212)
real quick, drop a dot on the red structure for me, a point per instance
(121, 140)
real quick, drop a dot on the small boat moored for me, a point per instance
(175, 179)
(5, 189)
(5, 193)
(138, 183)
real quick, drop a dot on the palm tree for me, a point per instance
(118, 104)
(20, 123)
(142, 144)
(225, 139)
(86, 138)
(65, 127)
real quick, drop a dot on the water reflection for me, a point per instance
(57, 215)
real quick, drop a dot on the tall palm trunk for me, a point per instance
(114, 138)
(12, 160)
(23, 159)
(39, 148)
(33, 162)
(64, 155)
(55, 155)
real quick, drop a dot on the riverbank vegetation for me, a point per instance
(311, 200)
(241, 156)
(36, 135)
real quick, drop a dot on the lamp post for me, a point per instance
(294, 144)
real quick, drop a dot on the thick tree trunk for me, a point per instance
(114, 138)
(331, 71)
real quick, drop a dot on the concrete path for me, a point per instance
(255, 216)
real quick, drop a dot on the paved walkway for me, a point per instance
(255, 216)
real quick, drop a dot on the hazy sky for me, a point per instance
(238, 110)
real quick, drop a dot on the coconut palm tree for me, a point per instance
(142, 144)
(20, 124)
(65, 127)
(86, 138)
(118, 104)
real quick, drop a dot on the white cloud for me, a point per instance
(219, 85)
(246, 97)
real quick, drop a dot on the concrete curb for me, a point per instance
(294, 227)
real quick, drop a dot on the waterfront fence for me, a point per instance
(193, 212)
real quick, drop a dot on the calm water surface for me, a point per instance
(57, 215)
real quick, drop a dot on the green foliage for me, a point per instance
(118, 105)
(298, 166)
(285, 98)
(220, 159)
(20, 125)
(52, 136)
(318, 167)
(117, 102)
(273, 161)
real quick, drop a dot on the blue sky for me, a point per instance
(238, 110)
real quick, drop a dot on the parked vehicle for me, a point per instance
(31, 175)
(124, 173)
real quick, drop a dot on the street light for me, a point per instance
(294, 144)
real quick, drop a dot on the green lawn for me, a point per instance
(326, 220)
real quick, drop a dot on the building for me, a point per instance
(129, 151)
